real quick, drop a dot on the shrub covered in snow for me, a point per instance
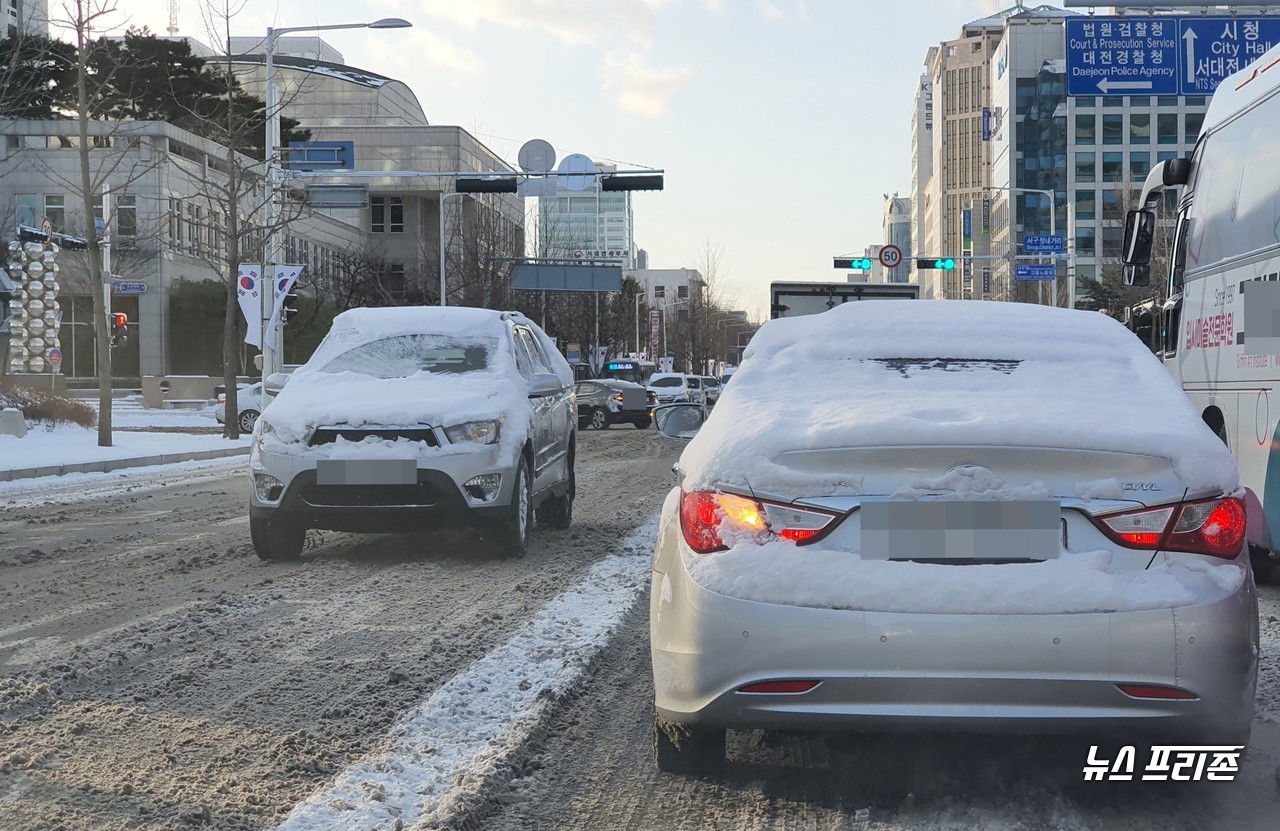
(41, 405)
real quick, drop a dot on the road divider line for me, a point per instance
(446, 748)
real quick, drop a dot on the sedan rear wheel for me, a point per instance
(687, 749)
(599, 418)
(248, 418)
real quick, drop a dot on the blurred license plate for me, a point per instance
(634, 399)
(366, 472)
(947, 530)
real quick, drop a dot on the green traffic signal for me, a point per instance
(946, 265)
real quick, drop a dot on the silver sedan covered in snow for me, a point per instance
(952, 516)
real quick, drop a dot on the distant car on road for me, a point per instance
(603, 402)
(670, 387)
(956, 517)
(249, 402)
(711, 389)
(407, 419)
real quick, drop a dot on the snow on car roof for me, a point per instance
(939, 372)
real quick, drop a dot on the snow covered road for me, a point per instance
(154, 674)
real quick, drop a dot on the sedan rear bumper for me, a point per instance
(945, 672)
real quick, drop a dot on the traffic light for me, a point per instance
(488, 184)
(856, 263)
(940, 263)
(290, 309)
(119, 328)
(613, 183)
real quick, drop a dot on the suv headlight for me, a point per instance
(261, 429)
(480, 432)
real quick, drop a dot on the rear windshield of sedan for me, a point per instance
(667, 382)
(405, 355)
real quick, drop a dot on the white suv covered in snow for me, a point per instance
(410, 418)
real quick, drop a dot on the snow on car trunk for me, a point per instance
(1011, 409)
(947, 373)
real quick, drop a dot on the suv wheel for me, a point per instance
(247, 419)
(277, 537)
(599, 418)
(687, 749)
(513, 532)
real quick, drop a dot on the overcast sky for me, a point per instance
(780, 123)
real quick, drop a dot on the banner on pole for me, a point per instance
(655, 328)
(249, 293)
(286, 276)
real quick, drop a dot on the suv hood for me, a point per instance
(316, 398)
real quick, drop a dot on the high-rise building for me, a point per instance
(959, 71)
(1093, 153)
(897, 231)
(29, 17)
(921, 163)
(590, 223)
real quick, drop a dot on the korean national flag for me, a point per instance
(249, 292)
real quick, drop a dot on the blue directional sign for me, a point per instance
(1122, 56)
(130, 287)
(1213, 48)
(1164, 55)
(1028, 271)
(1043, 243)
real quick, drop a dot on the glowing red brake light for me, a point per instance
(706, 517)
(1213, 526)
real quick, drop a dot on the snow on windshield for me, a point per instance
(405, 355)
(938, 372)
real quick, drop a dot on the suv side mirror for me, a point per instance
(679, 421)
(274, 383)
(1139, 231)
(543, 384)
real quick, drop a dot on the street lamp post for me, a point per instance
(1053, 228)
(271, 246)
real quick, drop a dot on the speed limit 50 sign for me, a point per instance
(890, 256)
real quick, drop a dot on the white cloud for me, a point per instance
(423, 46)
(771, 11)
(639, 88)
(573, 22)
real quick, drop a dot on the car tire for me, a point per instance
(644, 425)
(599, 418)
(687, 749)
(513, 532)
(248, 419)
(277, 537)
(557, 512)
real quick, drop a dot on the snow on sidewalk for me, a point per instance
(74, 445)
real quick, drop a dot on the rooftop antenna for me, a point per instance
(173, 18)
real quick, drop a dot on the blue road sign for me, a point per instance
(1043, 244)
(1213, 48)
(1122, 56)
(99, 224)
(130, 287)
(1165, 55)
(1027, 271)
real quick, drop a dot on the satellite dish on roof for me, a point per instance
(577, 172)
(537, 156)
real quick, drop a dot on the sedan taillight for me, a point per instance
(1213, 526)
(711, 521)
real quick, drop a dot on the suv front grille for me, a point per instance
(329, 435)
(370, 496)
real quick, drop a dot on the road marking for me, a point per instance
(449, 744)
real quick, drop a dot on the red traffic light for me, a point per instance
(119, 319)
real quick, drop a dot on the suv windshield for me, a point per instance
(667, 382)
(405, 355)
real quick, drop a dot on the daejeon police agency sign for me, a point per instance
(1163, 55)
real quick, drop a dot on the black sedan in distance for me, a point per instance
(603, 402)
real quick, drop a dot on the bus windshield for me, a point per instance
(637, 372)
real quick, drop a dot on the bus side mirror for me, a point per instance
(1137, 275)
(1139, 231)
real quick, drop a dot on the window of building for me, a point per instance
(1166, 155)
(395, 214)
(1112, 239)
(1139, 101)
(195, 225)
(1139, 165)
(393, 280)
(1139, 128)
(659, 292)
(1196, 100)
(1111, 204)
(1113, 102)
(126, 224)
(1113, 128)
(1086, 128)
(682, 292)
(1112, 167)
(27, 209)
(1194, 122)
(1086, 165)
(1167, 128)
(1167, 101)
(1025, 95)
(1085, 241)
(377, 214)
(1086, 204)
(55, 209)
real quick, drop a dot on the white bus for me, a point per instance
(1225, 267)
